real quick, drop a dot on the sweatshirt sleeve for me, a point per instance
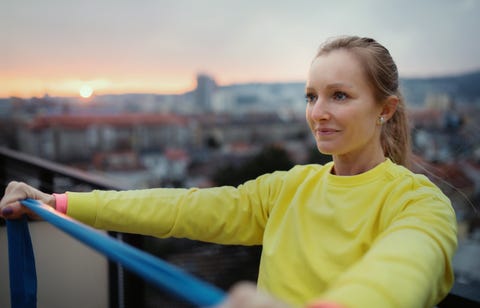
(409, 264)
(227, 215)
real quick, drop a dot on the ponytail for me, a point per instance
(395, 136)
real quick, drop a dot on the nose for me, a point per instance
(319, 110)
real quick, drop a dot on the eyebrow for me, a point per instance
(332, 86)
(339, 85)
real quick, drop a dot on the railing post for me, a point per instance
(3, 173)
(46, 179)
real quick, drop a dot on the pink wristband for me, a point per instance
(61, 203)
(320, 304)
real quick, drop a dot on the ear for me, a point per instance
(389, 107)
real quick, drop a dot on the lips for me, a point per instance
(325, 131)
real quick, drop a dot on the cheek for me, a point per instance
(359, 126)
(308, 117)
(363, 129)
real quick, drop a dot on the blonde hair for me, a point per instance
(382, 73)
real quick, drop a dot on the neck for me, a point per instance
(346, 165)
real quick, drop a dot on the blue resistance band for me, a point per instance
(23, 276)
(152, 269)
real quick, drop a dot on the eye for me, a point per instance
(339, 96)
(310, 98)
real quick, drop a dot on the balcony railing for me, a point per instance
(128, 290)
(51, 177)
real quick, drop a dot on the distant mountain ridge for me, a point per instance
(462, 88)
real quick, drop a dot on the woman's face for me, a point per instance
(341, 109)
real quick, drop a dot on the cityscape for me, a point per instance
(195, 138)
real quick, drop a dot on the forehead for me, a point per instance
(339, 66)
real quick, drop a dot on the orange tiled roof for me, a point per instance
(83, 121)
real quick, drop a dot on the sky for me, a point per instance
(55, 47)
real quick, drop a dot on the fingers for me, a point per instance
(13, 211)
(241, 294)
(10, 207)
(245, 294)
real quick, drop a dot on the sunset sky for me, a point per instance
(56, 47)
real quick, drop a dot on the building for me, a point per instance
(204, 92)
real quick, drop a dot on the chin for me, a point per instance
(325, 150)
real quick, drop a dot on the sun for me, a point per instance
(86, 91)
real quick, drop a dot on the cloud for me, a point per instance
(233, 40)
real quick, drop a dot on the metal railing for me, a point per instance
(126, 289)
(52, 177)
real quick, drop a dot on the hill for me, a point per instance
(464, 88)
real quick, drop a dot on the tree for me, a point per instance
(270, 158)
(315, 157)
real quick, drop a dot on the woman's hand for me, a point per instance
(10, 207)
(246, 295)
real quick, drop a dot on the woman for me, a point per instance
(361, 231)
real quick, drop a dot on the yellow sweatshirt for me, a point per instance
(384, 238)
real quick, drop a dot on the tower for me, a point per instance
(204, 91)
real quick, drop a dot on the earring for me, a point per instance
(381, 120)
